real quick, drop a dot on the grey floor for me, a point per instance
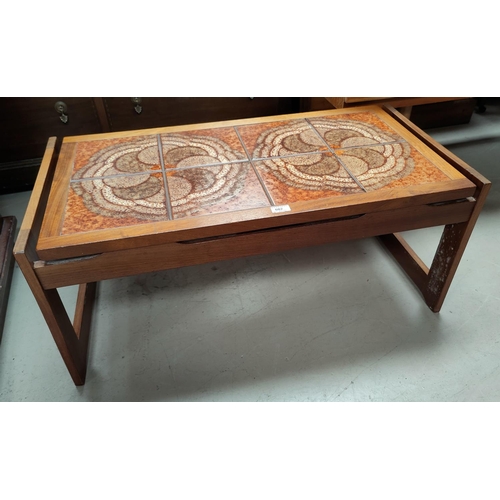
(334, 323)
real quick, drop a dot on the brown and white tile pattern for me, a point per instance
(214, 189)
(115, 202)
(132, 180)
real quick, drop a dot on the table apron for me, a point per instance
(120, 263)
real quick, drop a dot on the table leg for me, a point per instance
(72, 340)
(435, 282)
(450, 250)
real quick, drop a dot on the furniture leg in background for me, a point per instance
(7, 232)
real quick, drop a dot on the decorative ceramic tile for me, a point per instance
(351, 130)
(115, 202)
(266, 140)
(208, 190)
(390, 165)
(307, 177)
(120, 182)
(127, 155)
(201, 147)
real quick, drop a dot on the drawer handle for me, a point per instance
(62, 109)
(137, 101)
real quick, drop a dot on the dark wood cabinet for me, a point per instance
(163, 112)
(27, 123)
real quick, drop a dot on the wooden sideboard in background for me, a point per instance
(26, 123)
(425, 112)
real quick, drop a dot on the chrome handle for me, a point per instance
(137, 101)
(62, 109)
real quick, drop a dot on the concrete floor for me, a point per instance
(334, 323)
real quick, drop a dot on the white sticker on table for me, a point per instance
(280, 208)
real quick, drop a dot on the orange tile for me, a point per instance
(351, 130)
(309, 177)
(217, 189)
(114, 202)
(201, 147)
(391, 165)
(127, 155)
(284, 138)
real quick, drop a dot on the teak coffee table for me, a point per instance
(119, 204)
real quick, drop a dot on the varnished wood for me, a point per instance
(83, 316)
(101, 113)
(54, 212)
(457, 163)
(443, 114)
(314, 104)
(30, 226)
(50, 260)
(77, 245)
(28, 122)
(407, 258)
(72, 349)
(164, 111)
(449, 253)
(455, 236)
(397, 102)
(53, 245)
(173, 255)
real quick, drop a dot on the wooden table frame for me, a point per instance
(458, 212)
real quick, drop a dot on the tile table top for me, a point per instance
(125, 180)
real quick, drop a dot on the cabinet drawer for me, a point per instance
(165, 111)
(27, 123)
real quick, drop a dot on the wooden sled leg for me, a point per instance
(83, 312)
(435, 282)
(72, 340)
(450, 250)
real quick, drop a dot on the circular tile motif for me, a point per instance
(346, 133)
(289, 139)
(315, 172)
(192, 150)
(374, 167)
(108, 188)
(377, 166)
(193, 188)
(139, 196)
(137, 156)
